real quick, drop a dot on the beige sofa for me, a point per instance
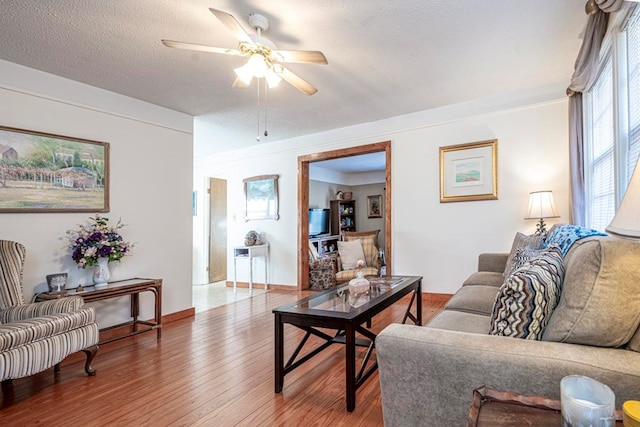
(427, 374)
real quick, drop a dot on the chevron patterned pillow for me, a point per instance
(527, 298)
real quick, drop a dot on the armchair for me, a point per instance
(37, 336)
(370, 250)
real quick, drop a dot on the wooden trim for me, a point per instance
(272, 287)
(303, 201)
(179, 315)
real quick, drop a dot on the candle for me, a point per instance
(586, 402)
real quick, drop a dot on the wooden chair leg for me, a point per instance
(56, 368)
(91, 353)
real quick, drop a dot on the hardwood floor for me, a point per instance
(212, 370)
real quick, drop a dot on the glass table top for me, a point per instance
(341, 300)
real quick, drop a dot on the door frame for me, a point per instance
(303, 201)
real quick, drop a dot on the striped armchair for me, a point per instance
(37, 336)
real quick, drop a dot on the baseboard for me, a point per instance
(245, 285)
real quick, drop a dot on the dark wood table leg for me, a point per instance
(419, 303)
(279, 353)
(135, 309)
(350, 366)
(158, 295)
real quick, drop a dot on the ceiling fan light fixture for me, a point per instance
(258, 65)
(273, 80)
(245, 74)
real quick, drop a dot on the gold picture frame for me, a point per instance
(42, 172)
(374, 206)
(469, 172)
(261, 197)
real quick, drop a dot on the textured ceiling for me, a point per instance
(385, 58)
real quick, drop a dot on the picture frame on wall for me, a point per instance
(374, 206)
(42, 172)
(469, 172)
(261, 197)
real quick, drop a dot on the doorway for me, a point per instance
(303, 201)
(217, 230)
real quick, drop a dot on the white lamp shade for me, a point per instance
(541, 205)
(626, 222)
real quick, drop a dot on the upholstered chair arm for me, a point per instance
(427, 375)
(493, 262)
(16, 334)
(37, 309)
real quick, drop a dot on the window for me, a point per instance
(612, 135)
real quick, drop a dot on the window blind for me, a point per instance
(601, 187)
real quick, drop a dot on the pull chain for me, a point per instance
(266, 106)
(258, 133)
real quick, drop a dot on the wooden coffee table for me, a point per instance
(334, 309)
(495, 408)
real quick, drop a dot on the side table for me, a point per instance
(250, 252)
(131, 287)
(495, 408)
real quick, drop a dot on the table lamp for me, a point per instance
(626, 222)
(541, 206)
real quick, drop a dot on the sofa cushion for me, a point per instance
(350, 253)
(484, 278)
(521, 241)
(601, 294)
(634, 344)
(346, 275)
(474, 299)
(454, 320)
(527, 298)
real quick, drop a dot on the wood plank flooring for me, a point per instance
(212, 370)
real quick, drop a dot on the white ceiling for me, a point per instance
(385, 58)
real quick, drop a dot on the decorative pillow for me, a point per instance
(369, 244)
(527, 298)
(522, 241)
(350, 253)
(522, 256)
(566, 235)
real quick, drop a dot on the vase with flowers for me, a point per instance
(97, 245)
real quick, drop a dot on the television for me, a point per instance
(318, 222)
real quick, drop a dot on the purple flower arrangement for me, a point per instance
(98, 240)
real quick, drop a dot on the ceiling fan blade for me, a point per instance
(297, 82)
(239, 84)
(232, 24)
(302, 56)
(201, 47)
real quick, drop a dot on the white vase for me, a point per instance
(101, 272)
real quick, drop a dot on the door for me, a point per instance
(217, 230)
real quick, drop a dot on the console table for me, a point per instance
(250, 252)
(131, 287)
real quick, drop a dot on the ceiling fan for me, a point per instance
(265, 59)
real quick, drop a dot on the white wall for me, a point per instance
(150, 185)
(440, 241)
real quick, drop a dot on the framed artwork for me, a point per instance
(261, 197)
(41, 172)
(469, 172)
(374, 206)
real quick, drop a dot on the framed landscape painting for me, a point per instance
(41, 172)
(469, 172)
(261, 197)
